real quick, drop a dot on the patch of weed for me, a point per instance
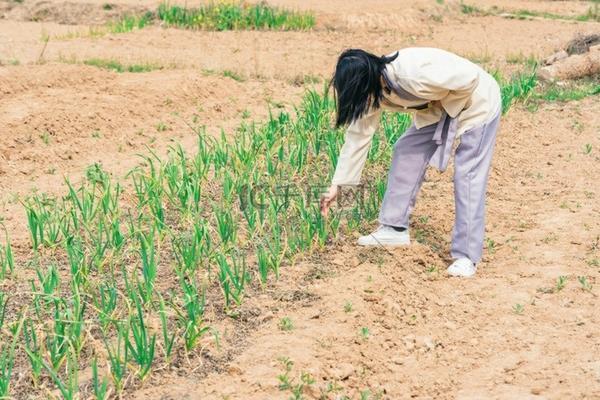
(222, 16)
(286, 324)
(116, 66)
(234, 75)
(469, 9)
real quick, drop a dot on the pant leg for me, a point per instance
(471, 169)
(411, 155)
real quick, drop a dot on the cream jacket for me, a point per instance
(450, 83)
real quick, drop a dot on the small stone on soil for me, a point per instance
(343, 371)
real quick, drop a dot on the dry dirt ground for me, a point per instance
(504, 334)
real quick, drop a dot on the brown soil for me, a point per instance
(429, 336)
(66, 12)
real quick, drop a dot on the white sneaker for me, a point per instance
(385, 236)
(462, 267)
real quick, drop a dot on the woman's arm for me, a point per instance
(353, 154)
(353, 157)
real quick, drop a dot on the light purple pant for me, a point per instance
(411, 156)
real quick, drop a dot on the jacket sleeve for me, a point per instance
(353, 154)
(451, 82)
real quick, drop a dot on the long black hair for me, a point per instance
(357, 83)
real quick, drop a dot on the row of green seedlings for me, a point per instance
(201, 215)
(95, 244)
(196, 209)
(61, 320)
(238, 170)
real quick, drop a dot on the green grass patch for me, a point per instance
(130, 23)
(525, 14)
(222, 16)
(233, 75)
(116, 66)
(575, 90)
(592, 14)
(518, 87)
(525, 87)
(216, 16)
(469, 9)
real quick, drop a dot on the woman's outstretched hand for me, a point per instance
(327, 198)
